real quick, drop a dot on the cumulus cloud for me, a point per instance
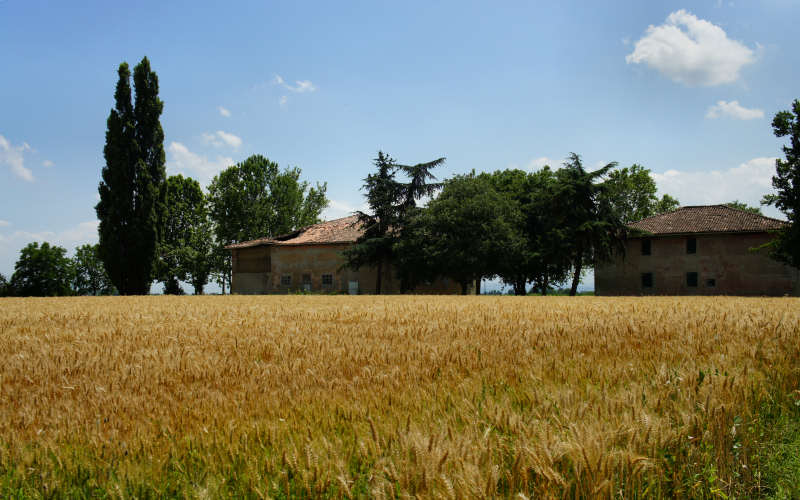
(183, 161)
(283, 100)
(538, 163)
(224, 112)
(691, 51)
(747, 182)
(69, 238)
(47, 163)
(733, 109)
(338, 208)
(299, 87)
(221, 138)
(14, 157)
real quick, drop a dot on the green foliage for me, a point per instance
(255, 199)
(4, 288)
(132, 196)
(587, 227)
(186, 250)
(392, 204)
(786, 182)
(466, 233)
(666, 204)
(42, 271)
(90, 274)
(743, 206)
(631, 191)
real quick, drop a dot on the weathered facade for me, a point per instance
(311, 259)
(706, 250)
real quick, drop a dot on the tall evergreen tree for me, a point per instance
(383, 194)
(589, 227)
(132, 195)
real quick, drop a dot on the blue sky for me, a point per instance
(685, 89)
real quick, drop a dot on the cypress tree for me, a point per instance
(132, 194)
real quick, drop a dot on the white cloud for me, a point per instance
(11, 244)
(283, 100)
(224, 111)
(300, 86)
(220, 138)
(183, 161)
(337, 209)
(538, 163)
(47, 163)
(4, 223)
(748, 183)
(14, 157)
(733, 109)
(691, 51)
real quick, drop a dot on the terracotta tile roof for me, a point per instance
(707, 219)
(344, 230)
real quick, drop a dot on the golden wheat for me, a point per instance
(388, 396)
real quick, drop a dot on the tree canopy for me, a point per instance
(132, 202)
(185, 251)
(42, 271)
(90, 274)
(255, 199)
(631, 191)
(464, 234)
(786, 182)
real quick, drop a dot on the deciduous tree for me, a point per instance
(631, 191)
(90, 274)
(255, 199)
(786, 182)
(42, 271)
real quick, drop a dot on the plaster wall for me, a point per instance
(291, 268)
(725, 265)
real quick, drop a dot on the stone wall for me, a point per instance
(725, 265)
(290, 268)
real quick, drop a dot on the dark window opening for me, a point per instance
(691, 245)
(711, 282)
(306, 279)
(327, 279)
(286, 280)
(646, 247)
(647, 280)
(691, 279)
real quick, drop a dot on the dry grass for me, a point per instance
(389, 396)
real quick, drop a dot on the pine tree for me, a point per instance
(132, 194)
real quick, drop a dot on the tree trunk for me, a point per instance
(576, 278)
(519, 287)
(478, 286)
(378, 280)
(464, 285)
(545, 284)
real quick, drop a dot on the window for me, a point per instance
(646, 247)
(711, 282)
(286, 280)
(327, 280)
(647, 280)
(691, 279)
(691, 245)
(306, 279)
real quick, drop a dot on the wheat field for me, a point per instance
(395, 396)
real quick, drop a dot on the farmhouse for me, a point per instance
(310, 259)
(698, 250)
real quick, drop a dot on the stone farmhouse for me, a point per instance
(698, 250)
(310, 259)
